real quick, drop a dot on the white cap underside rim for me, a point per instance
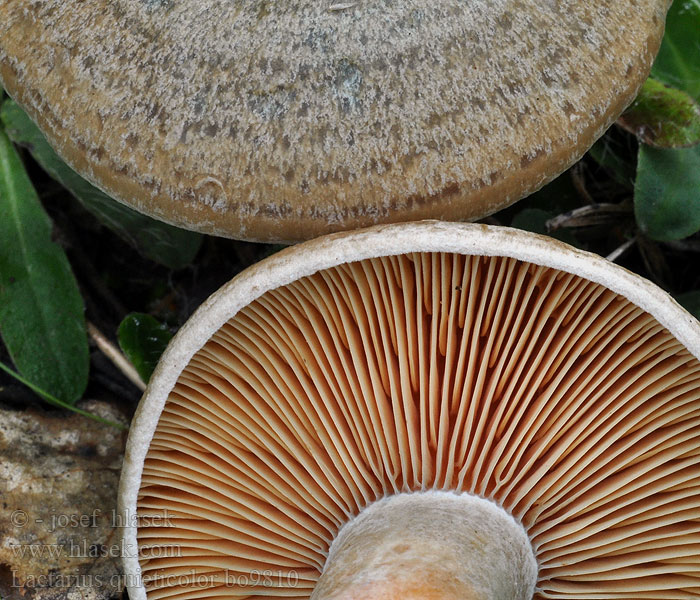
(329, 251)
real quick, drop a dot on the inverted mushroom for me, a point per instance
(426, 410)
(273, 120)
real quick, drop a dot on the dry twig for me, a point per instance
(115, 356)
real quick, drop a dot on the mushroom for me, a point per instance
(270, 120)
(429, 410)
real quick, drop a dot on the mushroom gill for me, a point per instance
(545, 393)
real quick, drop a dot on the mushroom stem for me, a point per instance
(433, 546)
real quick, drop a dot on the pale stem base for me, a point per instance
(433, 546)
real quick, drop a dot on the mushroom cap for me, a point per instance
(425, 356)
(273, 120)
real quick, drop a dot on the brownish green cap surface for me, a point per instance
(270, 120)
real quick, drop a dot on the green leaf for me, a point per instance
(56, 402)
(610, 155)
(663, 116)
(163, 243)
(535, 220)
(691, 302)
(143, 339)
(41, 311)
(667, 192)
(532, 219)
(678, 62)
(558, 196)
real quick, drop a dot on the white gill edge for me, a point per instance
(326, 252)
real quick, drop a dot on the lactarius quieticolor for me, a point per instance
(427, 410)
(283, 120)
